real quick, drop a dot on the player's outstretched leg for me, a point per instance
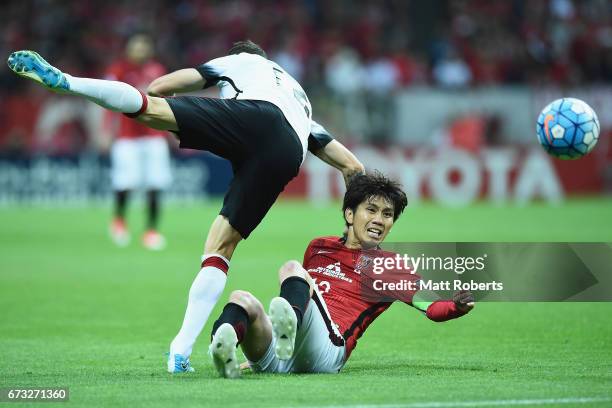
(113, 95)
(223, 351)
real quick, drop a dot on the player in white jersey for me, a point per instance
(262, 125)
(252, 76)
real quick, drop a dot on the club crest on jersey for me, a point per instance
(362, 263)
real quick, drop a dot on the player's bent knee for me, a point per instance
(158, 115)
(248, 302)
(291, 268)
(239, 296)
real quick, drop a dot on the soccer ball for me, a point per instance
(568, 128)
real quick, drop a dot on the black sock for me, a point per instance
(153, 208)
(297, 292)
(121, 198)
(236, 316)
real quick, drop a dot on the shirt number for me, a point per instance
(298, 94)
(324, 286)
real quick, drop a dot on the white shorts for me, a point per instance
(314, 350)
(141, 162)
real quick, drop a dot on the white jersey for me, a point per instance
(251, 76)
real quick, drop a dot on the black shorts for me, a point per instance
(255, 137)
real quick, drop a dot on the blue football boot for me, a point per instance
(31, 65)
(179, 364)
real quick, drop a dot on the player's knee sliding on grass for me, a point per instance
(262, 125)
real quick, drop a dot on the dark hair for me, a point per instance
(247, 46)
(364, 186)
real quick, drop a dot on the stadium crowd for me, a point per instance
(355, 53)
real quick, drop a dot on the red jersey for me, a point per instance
(337, 271)
(139, 76)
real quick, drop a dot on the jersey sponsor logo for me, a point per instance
(322, 251)
(332, 270)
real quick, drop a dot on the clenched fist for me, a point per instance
(464, 300)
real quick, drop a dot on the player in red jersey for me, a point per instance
(322, 310)
(139, 155)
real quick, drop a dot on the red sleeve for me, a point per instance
(443, 310)
(307, 254)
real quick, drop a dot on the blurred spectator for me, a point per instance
(345, 76)
(382, 81)
(451, 71)
(287, 57)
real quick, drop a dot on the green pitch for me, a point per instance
(77, 312)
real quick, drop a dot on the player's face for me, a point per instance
(371, 222)
(139, 48)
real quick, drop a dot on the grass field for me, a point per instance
(78, 312)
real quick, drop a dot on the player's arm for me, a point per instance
(440, 310)
(192, 79)
(332, 152)
(183, 80)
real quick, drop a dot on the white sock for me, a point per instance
(114, 95)
(203, 296)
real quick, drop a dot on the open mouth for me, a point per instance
(374, 232)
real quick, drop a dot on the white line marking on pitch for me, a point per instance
(490, 403)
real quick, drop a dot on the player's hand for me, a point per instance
(464, 300)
